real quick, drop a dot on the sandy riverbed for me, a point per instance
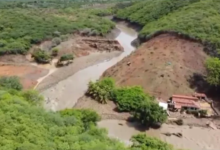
(195, 138)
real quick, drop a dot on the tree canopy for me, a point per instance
(213, 69)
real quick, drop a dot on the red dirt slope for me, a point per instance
(162, 66)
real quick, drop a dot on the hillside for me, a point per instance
(162, 66)
(196, 19)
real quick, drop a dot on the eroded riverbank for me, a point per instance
(65, 93)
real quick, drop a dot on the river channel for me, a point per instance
(66, 93)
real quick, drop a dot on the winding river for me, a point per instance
(66, 93)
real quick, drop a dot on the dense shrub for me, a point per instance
(55, 51)
(66, 57)
(213, 69)
(10, 83)
(144, 142)
(41, 56)
(86, 115)
(101, 89)
(150, 113)
(129, 99)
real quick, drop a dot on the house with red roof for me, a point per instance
(178, 102)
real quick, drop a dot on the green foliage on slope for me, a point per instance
(150, 10)
(213, 69)
(28, 127)
(35, 25)
(199, 19)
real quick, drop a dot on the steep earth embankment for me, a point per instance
(163, 66)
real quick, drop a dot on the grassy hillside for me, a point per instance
(198, 19)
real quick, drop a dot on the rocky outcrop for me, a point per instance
(104, 44)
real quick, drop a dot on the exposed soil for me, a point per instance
(28, 74)
(81, 45)
(163, 66)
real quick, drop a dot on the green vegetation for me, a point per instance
(198, 19)
(41, 56)
(213, 69)
(149, 10)
(66, 57)
(27, 126)
(150, 113)
(101, 89)
(55, 51)
(128, 99)
(11, 83)
(35, 25)
(143, 142)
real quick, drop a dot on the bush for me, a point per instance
(55, 51)
(41, 56)
(56, 41)
(128, 99)
(144, 142)
(101, 89)
(86, 115)
(66, 57)
(11, 83)
(33, 97)
(213, 69)
(150, 113)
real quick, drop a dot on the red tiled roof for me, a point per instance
(184, 102)
(185, 97)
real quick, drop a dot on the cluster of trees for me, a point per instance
(35, 25)
(25, 125)
(128, 99)
(147, 11)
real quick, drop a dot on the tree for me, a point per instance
(129, 99)
(41, 56)
(150, 113)
(101, 89)
(213, 69)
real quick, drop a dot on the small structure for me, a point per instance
(178, 102)
(163, 105)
